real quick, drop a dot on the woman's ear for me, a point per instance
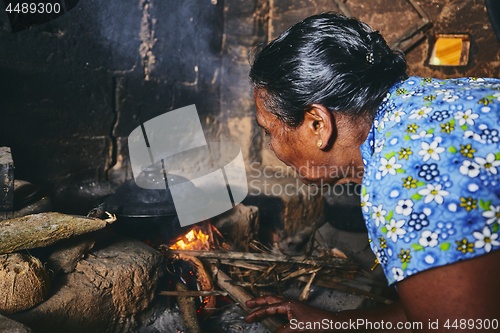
(320, 125)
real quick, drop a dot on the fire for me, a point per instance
(195, 239)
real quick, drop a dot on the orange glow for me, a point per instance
(195, 239)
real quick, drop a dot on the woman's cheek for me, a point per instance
(270, 145)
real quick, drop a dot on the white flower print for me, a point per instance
(420, 113)
(497, 96)
(485, 109)
(379, 145)
(365, 203)
(398, 274)
(447, 95)
(476, 80)
(492, 215)
(433, 193)
(428, 239)
(470, 169)
(380, 123)
(431, 150)
(489, 135)
(450, 98)
(394, 229)
(396, 116)
(474, 136)
(408, 94)
(434, 84)
(389, 166)
(421, 135)
(404, 207)
(379, 215)
(485, 239)
(429, 259)
(385, 119)
(466, 117)
(443, 91)
(489, 163)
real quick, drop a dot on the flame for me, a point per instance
(194, 239)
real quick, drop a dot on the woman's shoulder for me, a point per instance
(428, 90)
(426, 100)
(459, 82)
(430, 187)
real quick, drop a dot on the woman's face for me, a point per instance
(298, 147)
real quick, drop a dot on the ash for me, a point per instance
(228, 319)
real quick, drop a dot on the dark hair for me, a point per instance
(328, 59)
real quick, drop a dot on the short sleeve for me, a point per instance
(431, 192)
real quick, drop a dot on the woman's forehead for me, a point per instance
(262, 115)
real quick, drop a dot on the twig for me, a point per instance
(304, 295)
(300, 272)
(242, 264)
(258, 246)
(348, 289)
(266, 273)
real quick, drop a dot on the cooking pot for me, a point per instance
(146, 214)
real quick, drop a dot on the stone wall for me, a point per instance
(75, 87)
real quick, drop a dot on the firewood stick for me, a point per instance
(348, 289)
(44, 229)
(241, 296)
(263, 257)
(202, 277)
(187, 306)
(243, 264)
(193, 293)
(303, 271)
(304, 295)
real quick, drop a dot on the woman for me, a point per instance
(338, 106)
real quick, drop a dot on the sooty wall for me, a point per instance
(72, 89)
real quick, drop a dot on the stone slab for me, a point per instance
(107, 292)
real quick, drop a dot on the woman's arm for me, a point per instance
(459, 297)
(300, 315)
(466, 291)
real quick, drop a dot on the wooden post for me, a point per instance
(6, 180)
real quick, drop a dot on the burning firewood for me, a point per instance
(263, 270)
(203, 279)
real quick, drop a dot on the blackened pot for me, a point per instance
(146, 214)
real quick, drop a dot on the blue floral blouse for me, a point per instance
(431, 190)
